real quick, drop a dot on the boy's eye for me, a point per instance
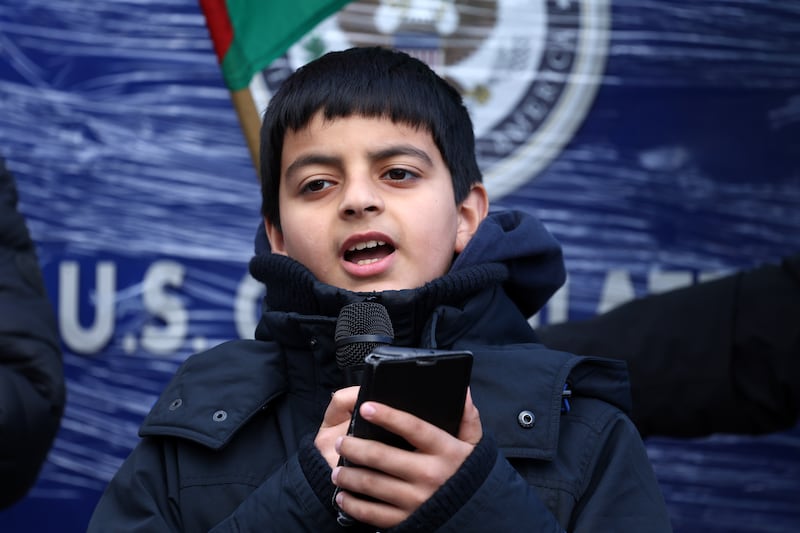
(399, 174)
(316, 185)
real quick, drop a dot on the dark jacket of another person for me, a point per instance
(32, 393)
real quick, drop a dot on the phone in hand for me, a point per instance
(430, 384)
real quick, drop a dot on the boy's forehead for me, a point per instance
(319, 121)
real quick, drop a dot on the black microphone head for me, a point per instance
(360, 327)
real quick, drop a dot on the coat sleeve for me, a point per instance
(145, 496)
(287, 501)
(139, 496)
(485, 493)
(622, 492)
(32, 393)
(618, 491)
(504, 502)
(730, 346)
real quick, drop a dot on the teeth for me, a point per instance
(365, 245)
(366, 262)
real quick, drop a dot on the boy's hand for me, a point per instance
(401, 479)
(335, 423)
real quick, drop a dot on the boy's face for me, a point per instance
(368, 205)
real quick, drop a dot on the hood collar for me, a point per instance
(291, 287)
(509, 247)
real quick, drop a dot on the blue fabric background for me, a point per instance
(128, 154)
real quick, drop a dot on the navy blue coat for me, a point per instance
(32, 392)
(228, 446)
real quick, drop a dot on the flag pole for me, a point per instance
(250, 122)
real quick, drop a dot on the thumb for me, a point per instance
(470, 429)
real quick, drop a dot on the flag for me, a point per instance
(249, 34)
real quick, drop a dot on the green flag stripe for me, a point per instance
(265, 29)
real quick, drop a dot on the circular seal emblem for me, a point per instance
(528, 69)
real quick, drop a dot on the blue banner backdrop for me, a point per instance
(659, 142)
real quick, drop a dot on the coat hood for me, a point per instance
(532, 255)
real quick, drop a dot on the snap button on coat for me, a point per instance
(526, 419)
(219, 416)
(177, 402)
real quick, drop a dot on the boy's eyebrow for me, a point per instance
(400, 149)
(312, 159)
(335, 161)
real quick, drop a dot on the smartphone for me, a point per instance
(430, 384)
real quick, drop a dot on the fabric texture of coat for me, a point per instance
(32, 393)
(229, 445)
(721, 356)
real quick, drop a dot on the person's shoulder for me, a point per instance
(216, 391)
(234, 357)
(528, 391)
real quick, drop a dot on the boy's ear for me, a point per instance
(471, 212)
(275, 237)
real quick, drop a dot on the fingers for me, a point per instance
(374, 497)
(377, 456)
(422, 435)
(340, 408)
(378, 485)
(436, 457)
(335, 423)
(419, 433)
(400, 479)
(379, 514)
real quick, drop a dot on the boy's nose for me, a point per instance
(359, 198)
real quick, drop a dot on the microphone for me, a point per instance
(360, 327)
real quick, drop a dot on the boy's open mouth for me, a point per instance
(365, 253)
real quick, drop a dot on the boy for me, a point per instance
(371, 191)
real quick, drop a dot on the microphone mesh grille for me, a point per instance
(360, 318)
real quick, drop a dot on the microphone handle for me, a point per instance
(352, 375)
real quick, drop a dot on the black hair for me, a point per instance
(371, 82)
